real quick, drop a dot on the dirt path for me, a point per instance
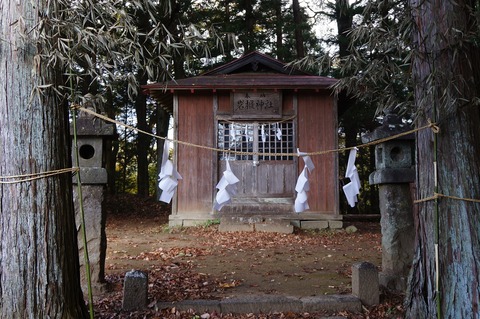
(211, 264)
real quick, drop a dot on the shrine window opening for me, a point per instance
(272, 141)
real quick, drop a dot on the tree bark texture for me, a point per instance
(143, 144)
(143, 141)
(279, 30)
(297, 20)
(445, 71)
(38, 246)
(111, 146)
(248, 38)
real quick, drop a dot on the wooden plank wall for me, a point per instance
(196, 165)
(317, 131)
(224, 103)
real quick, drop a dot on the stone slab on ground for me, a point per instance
(261, 304)
(255, 223)
(231, 227)
(193, 222)
(335, 224)
(331, 303)
(200, 305)
(269, 303)
(314, 224)
(282, 227)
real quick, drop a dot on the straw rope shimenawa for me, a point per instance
(30, 177)
(13, 179)
(281, 121)
(105, 118)
(438, 195)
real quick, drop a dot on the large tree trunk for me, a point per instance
(249, 35)
(143, 140)
(143, 144)
(344, 16)
(226, 20)
(446, 71)
(38, 240)
(279, 30)
(111, 146)
(297, 20)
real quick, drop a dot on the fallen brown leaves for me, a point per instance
(175, 280)
(173, 276)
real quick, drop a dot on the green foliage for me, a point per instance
(166, 228)
(377, 70)
(211, 222)
(372, 62)
(100, 42)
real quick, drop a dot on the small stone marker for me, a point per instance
(135, 288)
(365, 283)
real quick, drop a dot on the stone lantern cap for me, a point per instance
(87, 126)
(394, 158)
(392, 125)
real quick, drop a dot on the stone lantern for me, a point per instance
(394, 161)
(92, 134)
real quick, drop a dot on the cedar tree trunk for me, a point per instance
(279, 29)
(38, 240)
(143, 144)
(297, 21)
(143, 140)
(445, 72)
(248, 37)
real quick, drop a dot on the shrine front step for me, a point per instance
(273, 223)
(255, 223)
(258, 206)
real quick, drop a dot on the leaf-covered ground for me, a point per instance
(202, 263)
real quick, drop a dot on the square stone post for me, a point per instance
(365, 283)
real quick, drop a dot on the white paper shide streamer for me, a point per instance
(352, 189)
(303, 186)
(264, 134)
(279, 134)
(168, 176)
(226, 188)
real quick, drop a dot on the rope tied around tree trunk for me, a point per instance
(14, 179)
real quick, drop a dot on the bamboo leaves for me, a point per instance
(107, 41)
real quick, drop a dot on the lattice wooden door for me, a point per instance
(258, 155)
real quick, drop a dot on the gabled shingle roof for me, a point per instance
(256, 62)
(251, 71)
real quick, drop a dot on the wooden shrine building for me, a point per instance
(253, 112)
